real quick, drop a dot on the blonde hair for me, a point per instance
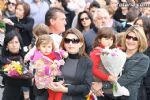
(119, 38)
(45, 39)
(40, 29)
(139, 32)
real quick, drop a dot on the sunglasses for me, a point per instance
(85, 18)
(74, 41)
(11, 3)
(131, 37)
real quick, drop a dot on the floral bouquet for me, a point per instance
(15, 69)
(113, 61)
(46, 69)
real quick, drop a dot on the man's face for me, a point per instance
(92, 10)
(102, 20)
(59, 22)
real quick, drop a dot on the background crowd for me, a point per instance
(82, 28)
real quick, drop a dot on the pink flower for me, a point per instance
(113, 54)
(13, 73)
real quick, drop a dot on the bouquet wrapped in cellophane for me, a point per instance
(46, 69)
(15, 69)
(113, 61)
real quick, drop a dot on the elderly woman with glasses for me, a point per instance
(77, 68)
(137, 63)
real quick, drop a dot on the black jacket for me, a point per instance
(24, 27)
(81, 84)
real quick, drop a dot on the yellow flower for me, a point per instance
(14, 65)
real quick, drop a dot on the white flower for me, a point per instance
(113, 61)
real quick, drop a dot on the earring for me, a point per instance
(6, 49)
(20, 48)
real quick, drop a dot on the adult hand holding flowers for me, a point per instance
(112, 78)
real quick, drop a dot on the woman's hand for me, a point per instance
(97, 88)
(8, 21)
(112, 78)
(58, 87)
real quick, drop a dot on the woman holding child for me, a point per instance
(136, 65)
(77, 68)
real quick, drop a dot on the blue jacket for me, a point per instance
(134, 70)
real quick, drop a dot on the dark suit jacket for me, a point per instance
(134, 70)
(82, 83)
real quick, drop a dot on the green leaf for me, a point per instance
(115, 87)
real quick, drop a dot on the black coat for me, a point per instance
(13, 86)
(80, 85)
(24, 27)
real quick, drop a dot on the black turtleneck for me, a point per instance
(70, 67)
(74, 56)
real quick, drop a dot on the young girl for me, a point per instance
(38, 30)
(105, 38)
(42, 60)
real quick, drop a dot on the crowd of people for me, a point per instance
(36, 33)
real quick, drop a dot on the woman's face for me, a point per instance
(132, 43)
(114, 4)
(106, 42)
(85, 20)
(19, 11)
(14, 45)
(11, 5)
(139, 22)
(72, 44)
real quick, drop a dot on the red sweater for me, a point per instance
(98, 68)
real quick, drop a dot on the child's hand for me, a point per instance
(26, 59)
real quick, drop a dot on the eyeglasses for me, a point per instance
(11, 3)
(74, 41)
(85, 18)
(131, 37)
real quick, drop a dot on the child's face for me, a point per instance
(106, 42)
(46, 48)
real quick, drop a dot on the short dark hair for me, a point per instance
(51, 13)
(8, 37)
(94, 4)
(132, 14)
(26, 8)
